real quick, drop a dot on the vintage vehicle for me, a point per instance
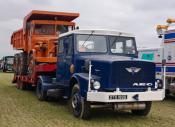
(99, 68)
(7, 63)
(90, 68)
(37, 43)
(0, 64)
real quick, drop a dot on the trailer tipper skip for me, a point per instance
(37, 41)
(97, 68)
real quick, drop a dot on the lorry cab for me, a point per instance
(7, 63)
(100, 67)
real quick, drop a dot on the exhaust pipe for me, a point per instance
(129, 106)
(121, 106)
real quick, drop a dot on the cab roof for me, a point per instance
(98, 32)
(49, 15)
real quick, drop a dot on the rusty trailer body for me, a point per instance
(37, 41)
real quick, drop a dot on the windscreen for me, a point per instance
(43, 29)
(91, 43)
(9, 60)
(122, 45)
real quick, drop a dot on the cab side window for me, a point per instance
(60, 46)
(68, 45)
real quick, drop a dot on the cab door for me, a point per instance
(65, 56)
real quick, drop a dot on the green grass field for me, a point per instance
(22, 109)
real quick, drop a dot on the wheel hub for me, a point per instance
(75, 101)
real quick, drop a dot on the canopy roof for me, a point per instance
(47, 15)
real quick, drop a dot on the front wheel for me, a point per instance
(41, 95)
(4, 70)
(145, 111)
(79, 106)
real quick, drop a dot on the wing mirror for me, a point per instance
(160, 36)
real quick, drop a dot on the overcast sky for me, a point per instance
(139, 17)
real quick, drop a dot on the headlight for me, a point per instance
(159, 84)
(96, 85)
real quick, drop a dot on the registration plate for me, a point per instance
(118, 97)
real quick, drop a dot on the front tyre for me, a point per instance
(145, 111)
(41, 95)
(79, 106)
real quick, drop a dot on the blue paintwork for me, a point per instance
(168, 69)
(82, 79)
(108, 69)
(169, 36)
(47, 83)
(112, 72)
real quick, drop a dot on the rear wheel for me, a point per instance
(31, 64)
(23, 68)
(15, 64)
(21, 85)
(79, 106)
(41, 95)
(145, 111)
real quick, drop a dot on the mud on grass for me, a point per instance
(22, 109)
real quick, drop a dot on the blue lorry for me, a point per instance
(100, 68)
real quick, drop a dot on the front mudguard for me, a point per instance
(47, 83)
(82, 79)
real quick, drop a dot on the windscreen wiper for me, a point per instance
(115, 39)
(88, 37)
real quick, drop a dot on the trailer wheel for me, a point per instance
(145, 111)
(41, 95)
(31, 64)
(15, 63)
(80, 107)
(23, 63)
(21, 85)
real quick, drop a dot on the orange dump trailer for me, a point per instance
(37, 40)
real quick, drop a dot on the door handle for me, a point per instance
(68, 57)
(96, 70)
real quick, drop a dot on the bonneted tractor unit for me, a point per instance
(89, 68)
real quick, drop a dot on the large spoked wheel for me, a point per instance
(41, 95)
(21, 85)
(79, 106)
(145, 111)
(31, 64)
(22, 67)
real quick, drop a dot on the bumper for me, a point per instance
(108, 97)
